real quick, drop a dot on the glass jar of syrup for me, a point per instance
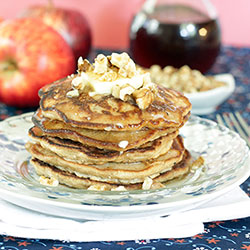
(175, 33)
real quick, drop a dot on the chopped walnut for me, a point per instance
(48, 181)
(81, 83)
(84, 65)
(109, 76)
(197, 163)
(97, 187)
(119, 188)
(122, 91)
(124, 63)
(119, 77)
(101, 64)
(80, 62)
(123, 144)
(145, 95)
(71, 76)
(108, 128)
(184, 79)
(72, 93)
(115, 91)
(147, 183)
(157, 185)
(77, 81)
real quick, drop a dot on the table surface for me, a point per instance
(219, 235)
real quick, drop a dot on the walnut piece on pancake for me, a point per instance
(184, 79)
(119, 188)
(84, 65)
(101, 64)
(146, 185)
(124, 63)
(73, 93)
(97, 187)
(145, 95)
(114, 75)
(53, 182)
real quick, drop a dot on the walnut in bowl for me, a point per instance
(204, 92)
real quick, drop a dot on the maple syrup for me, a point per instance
(175, 35)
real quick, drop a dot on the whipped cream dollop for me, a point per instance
(115, 75)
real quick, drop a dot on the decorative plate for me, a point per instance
(226, 166)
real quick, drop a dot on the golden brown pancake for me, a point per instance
(113, 172)
(99, 138)
(81, 153)
(178, 170)
(101, 111)
(74, 181)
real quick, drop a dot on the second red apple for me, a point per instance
(71, 24)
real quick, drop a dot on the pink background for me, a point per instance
(109, 19)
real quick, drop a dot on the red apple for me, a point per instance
(32, 54)
(71, 24)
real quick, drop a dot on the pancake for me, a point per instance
(109, 127)
(81, 153)
(178, 170)
(112, 172)
(99, 138)
(101, 111)
(74, 181)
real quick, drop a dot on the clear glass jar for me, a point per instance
(177, 33)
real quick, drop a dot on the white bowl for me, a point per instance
(205, 102)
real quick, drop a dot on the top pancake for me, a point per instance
(169, 109)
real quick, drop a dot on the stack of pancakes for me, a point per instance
(104, 143)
